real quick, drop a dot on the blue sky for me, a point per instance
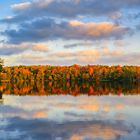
(65, 32)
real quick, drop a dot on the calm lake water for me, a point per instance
(88, 112)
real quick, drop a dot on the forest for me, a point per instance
(73, 80)
(72, 73)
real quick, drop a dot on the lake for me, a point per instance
(71, 111)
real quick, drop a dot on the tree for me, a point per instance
(70, 73)
(1, 64)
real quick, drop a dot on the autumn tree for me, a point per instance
(71, 73)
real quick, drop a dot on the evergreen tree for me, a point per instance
(1, 64)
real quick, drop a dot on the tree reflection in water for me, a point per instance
(67, 117)
(74, 89)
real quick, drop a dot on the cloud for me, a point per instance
(82, 44)
(40, 114)
(21, 6)
(69, 8)
(37, 59)
(115, 15)
(11, 49)
(40, 47)
(84, 56)
(88, 55)
(111, 53)
(120, 43)
(47, 29)
(124, 59)
(103, 56)
(138, 27)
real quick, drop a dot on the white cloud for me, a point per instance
(11, 49)
(21, 6)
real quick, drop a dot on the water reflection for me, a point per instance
(1, 97)
(75, 89)
(30, 129)
(66, 117)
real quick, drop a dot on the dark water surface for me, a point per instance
(86, 112)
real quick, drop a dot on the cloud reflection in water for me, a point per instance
(69, 118)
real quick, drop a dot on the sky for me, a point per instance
(67, 32)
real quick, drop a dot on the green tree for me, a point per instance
(1, 64)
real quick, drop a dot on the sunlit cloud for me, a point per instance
(21, 6)
(48, 29)
(80, 31)
(40, 47)
(11, 49)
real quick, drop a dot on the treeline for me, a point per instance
(71, 73)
